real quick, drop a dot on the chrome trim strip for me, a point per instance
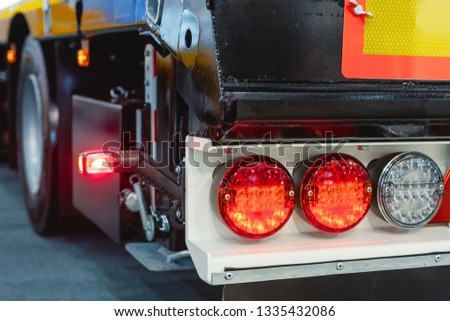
(330, 268)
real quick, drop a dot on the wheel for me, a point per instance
(35, 151)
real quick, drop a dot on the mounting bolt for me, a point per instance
(369, 189)
(437, 258)
(178, 214)
(228, 276)
(340, 266)
(291, 193)
(178, 170)
(227, 197)
(310, 193)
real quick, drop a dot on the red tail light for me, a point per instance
(256, 197)
(96, 163)
(336, 193)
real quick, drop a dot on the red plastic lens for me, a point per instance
(256, 197)
(99, 163)
(96, 163)
(336, 193)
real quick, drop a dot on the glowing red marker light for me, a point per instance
(256, 197)
(336, 193)
(96, 163)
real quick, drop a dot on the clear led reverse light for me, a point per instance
(410, 190)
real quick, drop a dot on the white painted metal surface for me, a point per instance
(215, 248)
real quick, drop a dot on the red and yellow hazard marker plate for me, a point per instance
(407, 39)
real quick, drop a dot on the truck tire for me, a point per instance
(35, 151)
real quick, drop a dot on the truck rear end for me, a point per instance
(266, 140)
(356, 113)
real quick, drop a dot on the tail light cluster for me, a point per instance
(256, 196)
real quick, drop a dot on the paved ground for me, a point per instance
(77, 267)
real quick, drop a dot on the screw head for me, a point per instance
(178, 214)
(291, 193)
(228, 276)
(358, 10)
(340, 266)
(178, 170)
(437, 258)
(310, 193)
(227, 197)
(369, 189)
